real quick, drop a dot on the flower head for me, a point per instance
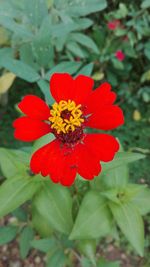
(77, 106)
(113, 25)
(120, 55)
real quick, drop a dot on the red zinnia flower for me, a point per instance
(77, 106)
(120, 55)
(113, 25)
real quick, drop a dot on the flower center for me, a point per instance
(66, 117)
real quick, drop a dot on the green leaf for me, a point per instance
(133, 190)
(88, 248)
(21, 69)
(9, 10)
(117, 177)
(25, 238)
(117, 64)
(43, 50)
(44, 140)
(67, 66)
(124, 194)
(93, 219)
(145, 4)
(35, 10)
(45, 245)
(18, 29)
(142, 201)
(13, 162)
(111, 195)
(20, 214)
(14, 192)
(85, 262)
(58, 259)
(83, 23)
(44, 86)
(7, 234)
(86, 70)
(40, 223)
(85, 41)
(122, 158)
(104, 263)
(131, 224)
(55, 204)
(5, 52)
(75, 49)
(115, 173)
(84, 7)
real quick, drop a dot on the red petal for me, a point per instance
(82, 88)
(34, 107)
(64, 87)
(27, 129)
(43, 158)
(55, 160)
(88, 163)
(104, 115)
(104, 146)
(61, 86)
(106, 118)
(101, 96)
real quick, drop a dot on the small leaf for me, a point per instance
(85, 262)
(44, 86)
(7, 234)
(6, 81)
(21, 69)
(105, 263)
(131, 224)
(13, 162)
(93, 219)
(117, 64)
(20, 30)
(88, 248)
(75, 49)
(142, 201)
(145, 4)
(86, 70)
(40, 223)
(85, 7)
(57, 258)
(85, 41)
(122, 158)
(44, 245)
(14, 192)
(24, 241)
(35, 11)
(70, 67)
(20, 214)
(55, 204)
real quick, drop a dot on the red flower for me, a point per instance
(77, 106)
(120, 55)
(113, 25)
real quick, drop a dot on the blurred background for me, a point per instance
(108, 40)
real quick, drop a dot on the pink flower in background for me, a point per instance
(113, 25)
(120, 55)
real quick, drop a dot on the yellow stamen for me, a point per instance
(65, 125)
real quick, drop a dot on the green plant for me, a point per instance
(71, 220)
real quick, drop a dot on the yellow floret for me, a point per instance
(65, 125)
